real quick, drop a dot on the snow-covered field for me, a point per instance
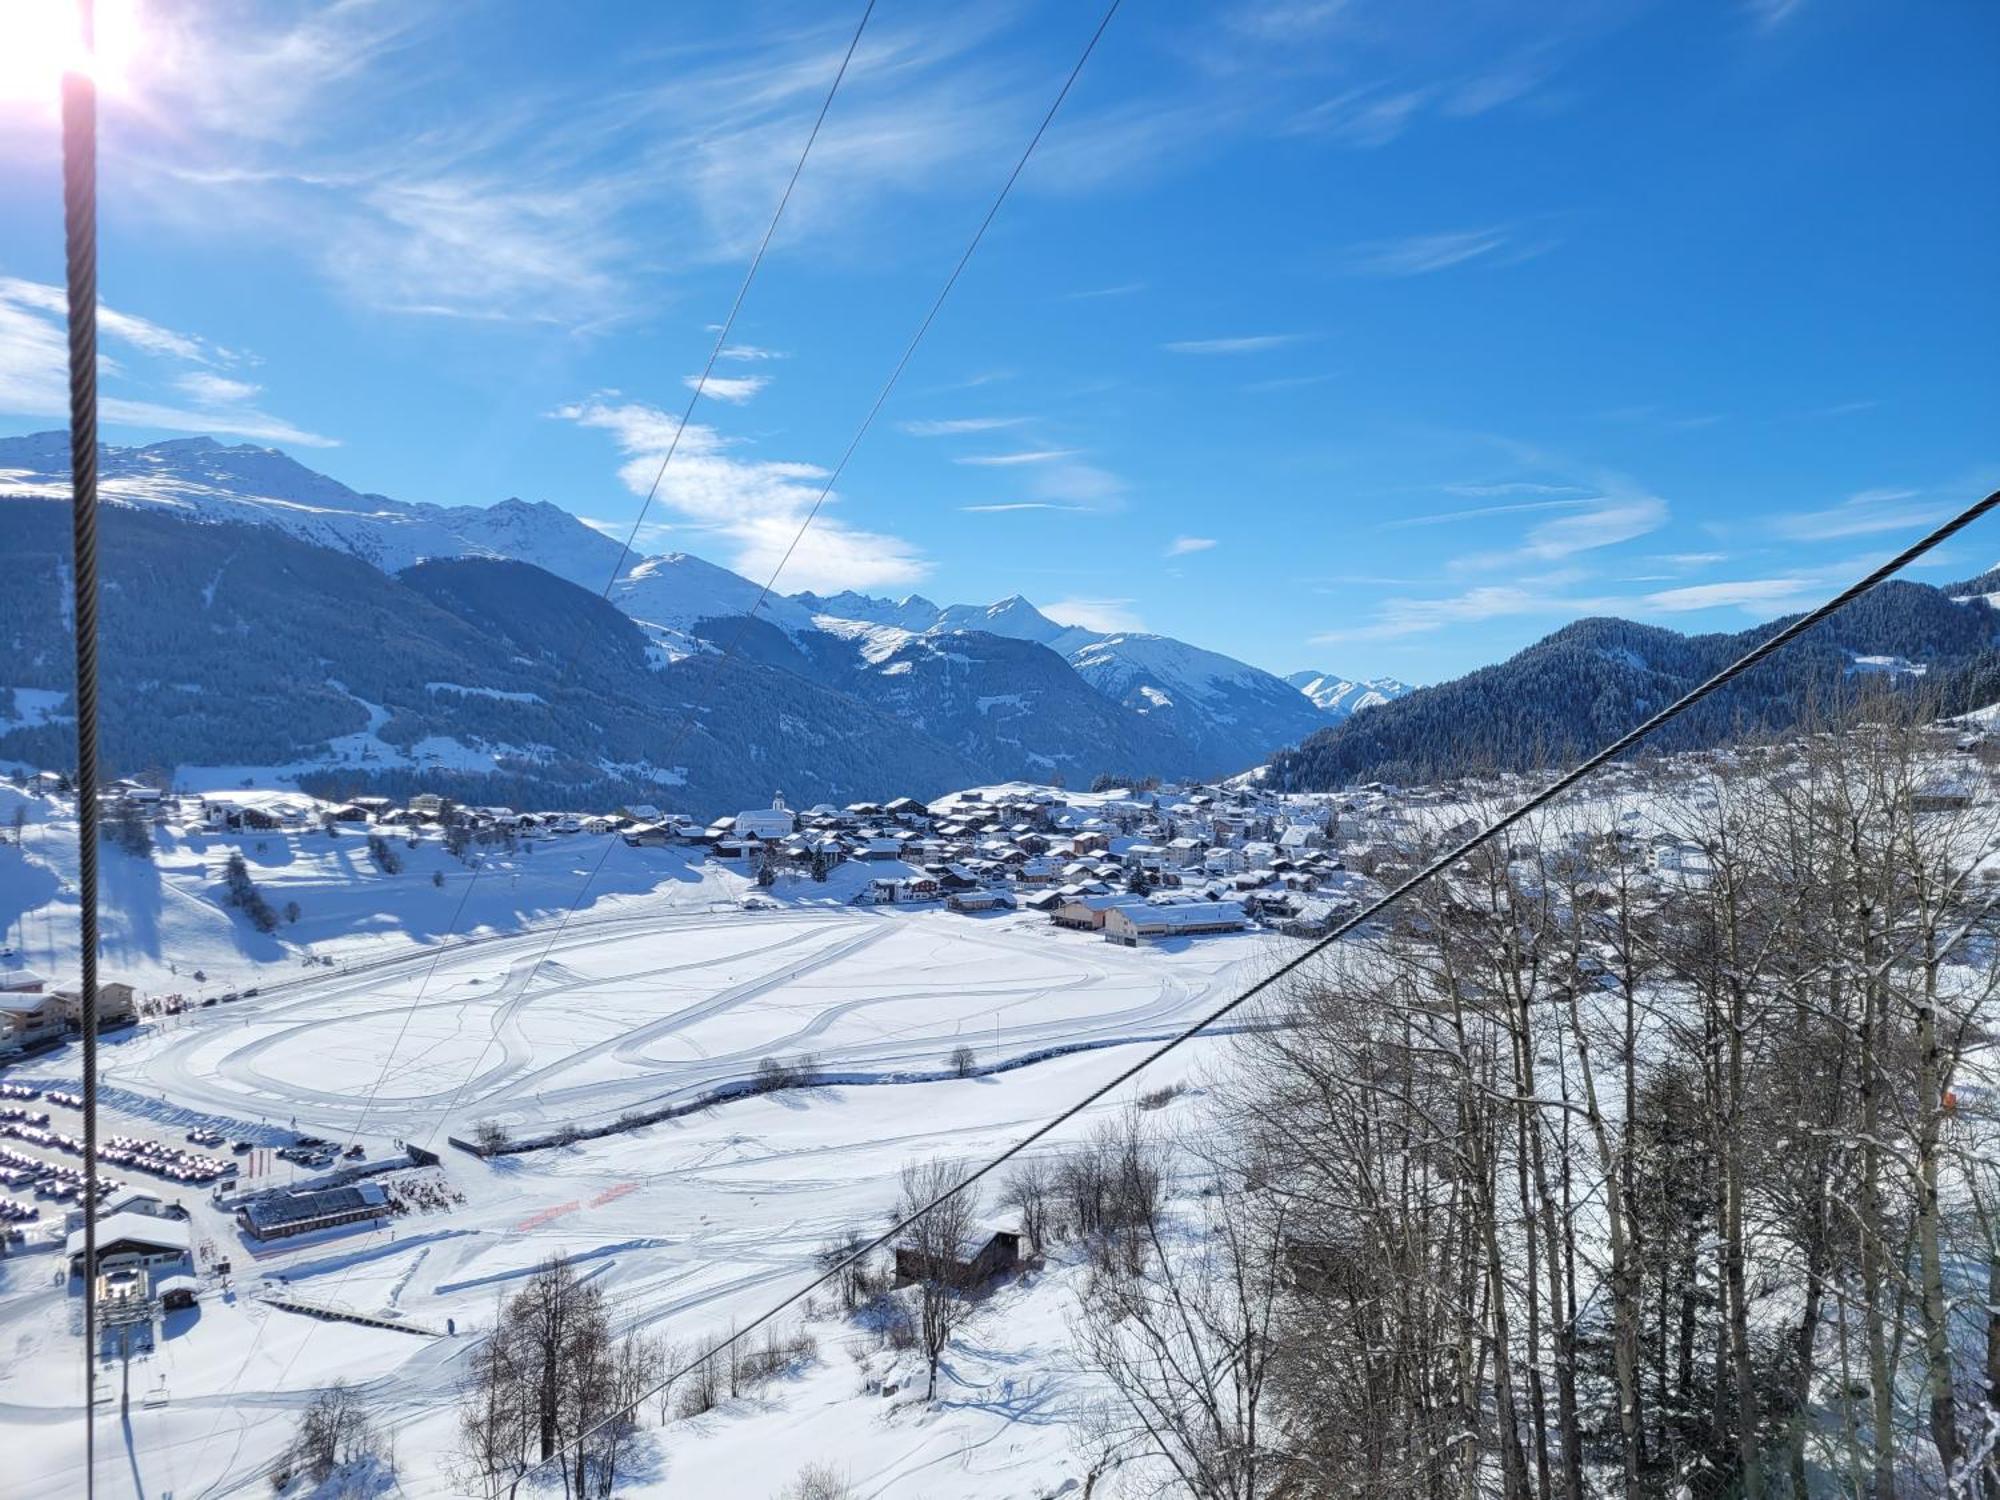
(660, 987)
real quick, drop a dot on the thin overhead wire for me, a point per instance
(700, 386)
(694, 715)
(728, 323)
(659, 475)
(79, 150)
(1757, 654)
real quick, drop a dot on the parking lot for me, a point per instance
(41, 1159)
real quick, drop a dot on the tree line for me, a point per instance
(1585, 1177)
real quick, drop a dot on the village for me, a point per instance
(875, 942)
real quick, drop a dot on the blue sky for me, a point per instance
(1378, 337)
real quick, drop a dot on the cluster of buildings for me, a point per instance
(1131, 866)
(33, 1016)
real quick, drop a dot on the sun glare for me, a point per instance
(40, 40)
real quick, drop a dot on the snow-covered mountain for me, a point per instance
(1083, 699)
(1211, 705)
(203, 480)
(1337, 696)
(673, 593)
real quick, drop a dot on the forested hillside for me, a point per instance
(239, 646)
(1592, 680)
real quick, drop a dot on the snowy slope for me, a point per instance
(1217, 709)
(677, 590)
(1339, 696)
(201, 479)
(660, 986)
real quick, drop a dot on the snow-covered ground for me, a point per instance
(661, 986)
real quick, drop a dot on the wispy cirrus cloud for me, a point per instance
(215, 390)
(1768, 15)
(1424, 254)
(1008, 507)
(1364, 118)
(734, 389)
(1743, 593)
(1010, 460)
(1863, 514)
(1476, 512)
(1601, 521)
(1558, 596)
(754, 506)
(1181, 546)
(1256, 343)
(956, 426)
(34, 373)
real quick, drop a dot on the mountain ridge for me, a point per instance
(1196, 712)
(1587, 683)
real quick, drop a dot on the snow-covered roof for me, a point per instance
(167, 1234)
(1185, 914)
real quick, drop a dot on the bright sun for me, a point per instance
(40, 40)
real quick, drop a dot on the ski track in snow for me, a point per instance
(689, 1224)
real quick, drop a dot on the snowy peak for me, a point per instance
(677, 590)
(1214, 707)
(913, 612)
(204, 480)
(1013, 616)
(1340, 696)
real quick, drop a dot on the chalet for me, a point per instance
(428, 802)
(1681, 857)
(115, 1004)
(1313, 918)
(905, 808)
(348, 812)
(133, 1239)
(1136, 923)
(16, 978)
(29, 1019)
(177, 1292)
(648, 836)
(1941, 796)
(997, 1255)
(644, 812)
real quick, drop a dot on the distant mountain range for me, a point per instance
(1340, 696)
(246, 640)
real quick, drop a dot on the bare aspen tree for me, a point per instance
(934, 1249)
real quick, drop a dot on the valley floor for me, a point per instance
(655, 992)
